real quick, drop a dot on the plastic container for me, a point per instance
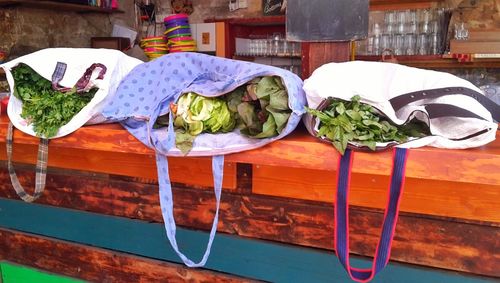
(154, 47)
(178, 33)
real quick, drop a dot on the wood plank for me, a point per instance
(400, 5)
(194, 171)
(298, 150)
(437, 61)
(95, 264)
(431, 241)
(492, 34)
(235, 255)
(315, 54)
(420, 196)
(220, 39)
(471, 47)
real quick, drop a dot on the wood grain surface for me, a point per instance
(284, 192)
(97, 265)
(439, 242)
(433, 197)
(299, 150)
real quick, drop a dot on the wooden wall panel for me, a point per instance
(315, 54)
(425, 240)
(448, 199)
(105, 148)
(195, 171)
(97, 265)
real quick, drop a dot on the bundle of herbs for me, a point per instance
(45, 108)
(343, 122)
(259, 109)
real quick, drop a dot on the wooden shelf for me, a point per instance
(437, 62)
(379, 5)
(251, 57)
(261, 21)
(58, 6)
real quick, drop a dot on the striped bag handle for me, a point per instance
(43, 149)
(383, 251)
(41, 168)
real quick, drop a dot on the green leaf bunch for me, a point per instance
(343, 122)
(46, 109)
(259, 109)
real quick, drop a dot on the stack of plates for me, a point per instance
(154, 47)
(178, 33)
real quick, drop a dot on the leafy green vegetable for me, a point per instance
(259, 109)
(45, 108)
(342, 122)
(184, 140)
(270, 100)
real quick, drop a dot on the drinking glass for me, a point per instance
(284, 48)
(400, 21)
(398, 43)
(261, 49)
(434, 43)
(410, 43)
(251, 47)
(295, 49)
(389, 22)
(422, 44)
(411, 21)
(276, 44)
(385, 42)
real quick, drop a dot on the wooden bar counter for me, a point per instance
(283, 192)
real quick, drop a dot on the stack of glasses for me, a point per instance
(407, 32)
(154, 47)
(273, 45)
(178, 33)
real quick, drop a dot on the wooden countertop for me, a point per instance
(298, 150)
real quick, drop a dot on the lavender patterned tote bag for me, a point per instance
(147, 92)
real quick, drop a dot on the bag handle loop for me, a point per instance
(382, 253)
(399, 102)
(166, 199)
(41, 168)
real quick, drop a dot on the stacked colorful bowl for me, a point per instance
(178, 33)
(154, 47)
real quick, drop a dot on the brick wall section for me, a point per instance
(24, 30)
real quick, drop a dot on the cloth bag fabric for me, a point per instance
(77, 61)
(458, 114)
(65, 67)
(146, 93)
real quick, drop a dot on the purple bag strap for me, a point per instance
(383, 251)
(82, 83)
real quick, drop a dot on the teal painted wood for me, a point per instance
(235, 255)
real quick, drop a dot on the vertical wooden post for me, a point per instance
(315, 54)
(220, 39)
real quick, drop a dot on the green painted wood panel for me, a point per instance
(251, 258)
(13, 273)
